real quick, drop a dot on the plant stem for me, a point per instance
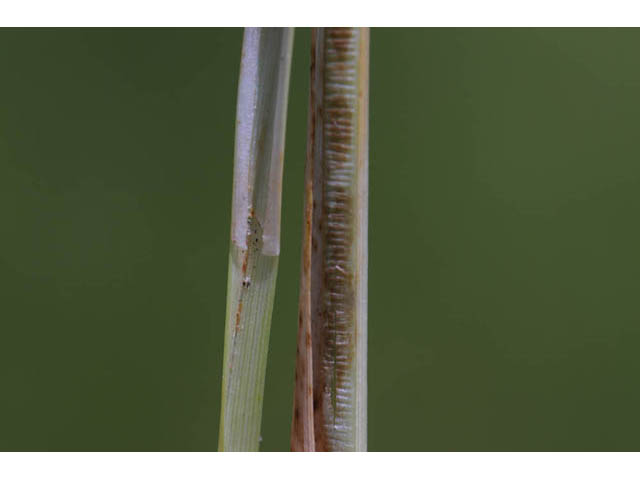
(330, 403)
(255, 231)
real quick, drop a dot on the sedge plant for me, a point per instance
(255, 231)
(330, 401)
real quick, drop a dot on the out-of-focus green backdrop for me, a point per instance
(504, 239)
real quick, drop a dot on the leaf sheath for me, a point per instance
(255, 231)
(330, 403)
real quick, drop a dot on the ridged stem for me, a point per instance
(255, 231)
(330, 403)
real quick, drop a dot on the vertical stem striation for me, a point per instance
(330, 403)
(255, 231)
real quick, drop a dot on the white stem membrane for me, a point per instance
(330, 403)
(255, 231)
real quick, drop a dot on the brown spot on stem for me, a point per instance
(238, 316)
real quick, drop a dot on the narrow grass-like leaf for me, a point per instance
(330, 403)
(255, 231)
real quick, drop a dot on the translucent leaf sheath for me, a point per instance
(330, 404)
(255, 231)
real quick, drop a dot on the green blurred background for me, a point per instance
(505, 174)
